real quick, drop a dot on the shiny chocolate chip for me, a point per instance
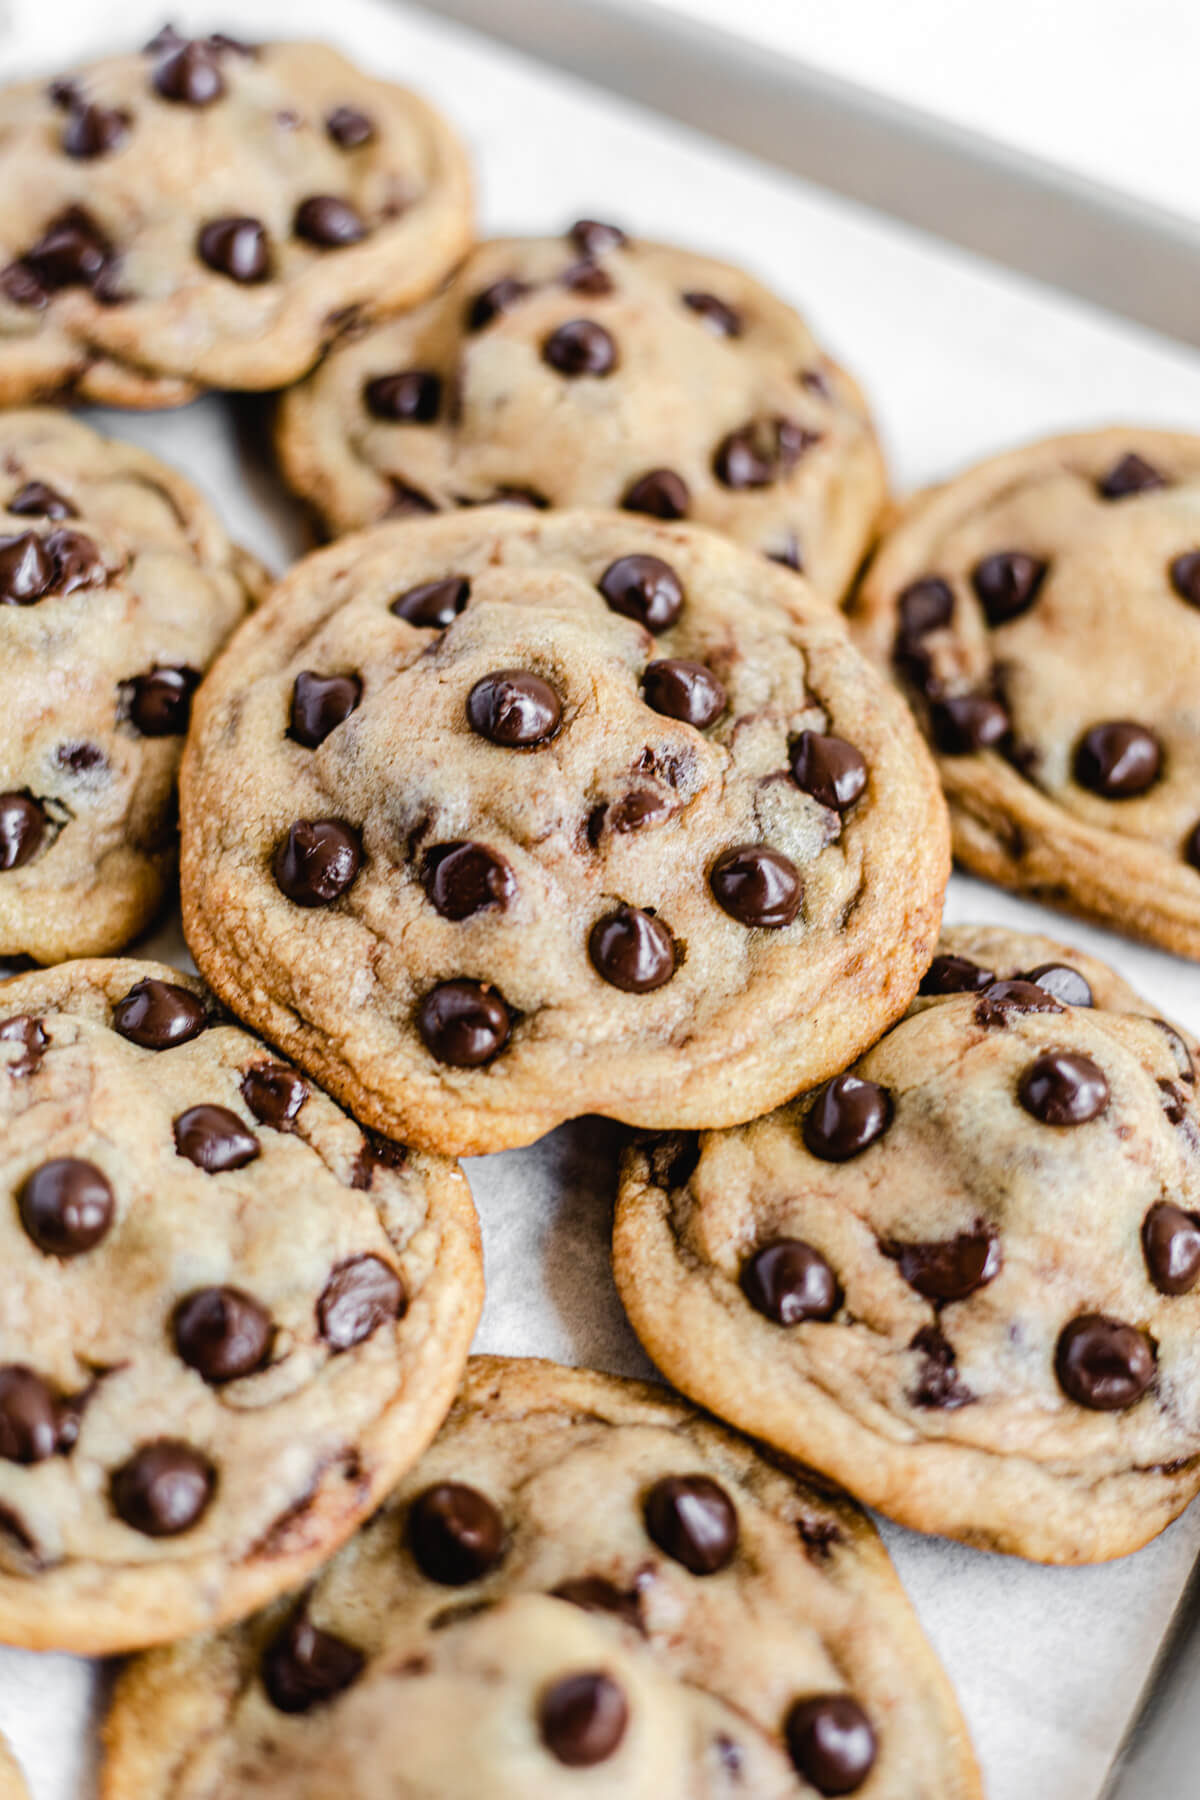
(949, 1269)
(1184, 571)
(721, 318)
(1131, 474)
(846, 1117)
(761, 452)
(833, 771)
(463, 1023)
(1007, 584)
(644, 588)
(660, 493)
(586, 277)
(1004, 997)
(93, 130)
(831, 1743)
(789, 1282)
(632, 950)
(501, 297)
(349, 128)
(72, 251)
(594, 237)
(158, 1015)
(360, 1296)
(317, 861)
(1171, 1244)
(31, 1417)
(320, 703)
(1062, 1088)
(304, 1666)
(515, 709)
(433, 604)
(582, 1719)
(328, 222)
(215, 1139)
(164, 1489)
(222, 1333)
(1118, 759)
(407, 397)
(77, 562)
(188, 73)
(455, 1534)
(757, 886)
(593, 1594)
(1104, 1364)
(21, 285)
(38, 500)
(692, 1520)
(32, 1037)
(274, 1093)
(237, 247)
(964, 723)
(462, 879)
(160, 702)
(683, 690)
(925, 605)
(1061, 980)
(580, 347)
(66, 1206)
(22, 829)
(26, 569)
(955, 975)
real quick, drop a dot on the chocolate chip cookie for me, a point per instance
(961, 1277)
(117, 587)
(497, 819)
(1043, 613)
(12, 1787)
(208, 213)
(592, 370)
(583, 1587)
(229, 1319)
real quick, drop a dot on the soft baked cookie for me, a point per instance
(12, 1786)
(228, 1320)
(117, 587)
(494, 820)
(961, 1277)
(584, 1587)
(208, 213)
(1043, 612)
(595, 371)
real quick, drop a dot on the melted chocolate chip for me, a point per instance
(757, 886)
(499, 298)
(188, 73)
(222, 1333)
(349, 128)
(718, 315)
(215, 1139)
(66, 1206)
(660, 493)
(320, 703)
(1061, 1088)
(788, 1281)
(158, 1015)
(1104, 1364)
(455, 1534)
(846, 1117)
(328, 222)
(407, 397)
(938, 1385)
(1184, 572)
(304, 1666)
(644, 588)
(761, 452)
(1132, 474)
(317, 861)
(26, 569)
(693, 1520)
(433, 604)
(683, 690)
(274, 1093)
(77, 562)
(1004, 997)
(831, 1743)
(955, 975)
(360, 1296)
(1064, 982)
(964, 723)
(22, 829)
(633, 950)
(925, 605)
(1171, 1244)
(580, 347)
(833, 771)
(593, 237)
(40, 501)
(515, 709)
(593, 1594)
(93, 130)
(582, 1719)
(34, 1040)
(31, 1417)
(237, 247)
(463, 1023)
(1118, 759)
(160, 702)
(1007, 584)
(164, 1489)
(949, 1269)
(463, 879)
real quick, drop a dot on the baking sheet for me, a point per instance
(959, 359)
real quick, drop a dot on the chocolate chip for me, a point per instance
(463, 1023)
(1174, 1101)
(1179, 1050)
(164, 1489)
(34, 1040)
(949, 1269)
(1118, 759)
(683, 690)
(1132, 474)
(632, 950)
(592, 237)
(644, 588)
(833, 771)
(30, 1416)
(348, 128)
(274, 1093)
(320, 703)
(455, 1534)
(660, 493)
(761, 452)
(1102, 1363)
(360, 1296)
(409, 396)
(165, 38)
(1061, 1088)
(408, 502)
(303, 1666)
(964, 723)
(1171, 1243)
(580, 347)
(215, 1139)
(925, 605)
(72, 251)
(788, 1281)
(757, 886)
(93, 130)
(692, 1519)
(1004, 997)
(955, 975)
(515, 709)
(593, 1594)
(317, 861)
(80, 759)
(160, 702)
(235, 246)
(433, 604)
(40, 501)
(587, 278)
(582, 1719)
(158, 1015)
(1007, 584)
(462, 879)
(831, 1743)
(66, 1206)
(22, 828)
(638, 808)
(26, 569)
(1064, 982)
(718, 315)
(21, 286)
(77, 562)
(222, 1333)
(65, 93)
(495, 300)
(328, 222)
(938, 1385)
(1185, 576)
(846, 1117)
(188, 73)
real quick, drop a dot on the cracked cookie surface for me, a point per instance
(494, 820)
(229, 1321)
(208, 213)
(595, 370)
(962, 1277)
(584, 1586)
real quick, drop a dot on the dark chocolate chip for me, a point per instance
(1007, 584)
(593, 1594)
(80, 759)
(644, 588)
(215, 1139)
(21, 286)
(274, 1093)
(692, 1519)
(1185, 576)
(788, 1281)
(348, 127)
(1132, 474)
(660, 493)
(580, 347)
(582, 1718)
(757, 886)
(683, 690)
(360, 1296)
(66, 1206)
(833, 771)
(409, 502)
(407, 397)
(761, 452)
(495, 300)
(831, 1743)
(925, 605)
(964, 723)
(1118, 759)
(235, 246)
(462, 879)
(160, 702)
(718, 315)
(77, 562)
(455, 1534)
(1179, 1050)
(317, 861)
(515, 709)
(938, 1385)
(948, 1269)
(187, 72)
(1062, 1088)
(65, 93)
(222, 1333)
(1004, 997)
(955, 975)
(433, 604)
(33, 1038)
(320, 703)
(1061, 980)
(22, 829)
(593, 237)
(26, 569)
(846, 1117)
(1174, 1101)
(1104, 1364)
(93, 130)
(38, 500)
(632, 950)
(164, 1489)
(328, 222)
(304, 1666)
(158, 1015)
(1171, 1243)
(73, 251)
(463, 1023)
(638, 808)
(31, 1417)
(587, 277)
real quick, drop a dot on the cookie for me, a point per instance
(229, 1319)
(1043, 613)
(12, 1787)
(592, 370)
(208, 213)
(584, 1587)
(962, 1277)
(497, 819)
(117, 587)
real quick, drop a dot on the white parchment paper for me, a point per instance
(959, 359)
